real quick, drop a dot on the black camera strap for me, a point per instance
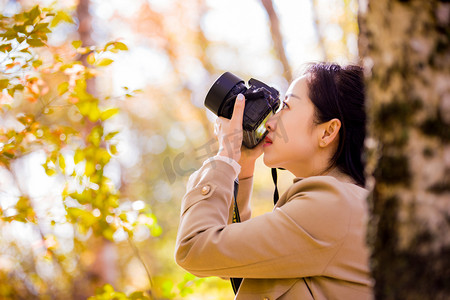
(236, 282)
(275, 192)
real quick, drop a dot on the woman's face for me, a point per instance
(293, 139)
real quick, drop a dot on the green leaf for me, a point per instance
(4, 83)
(25, 119)
(77, 44)
(62, 88)
(156, 230)
(167, 287)
(42, 27)
(39, 35)
(104, 62)
(34, 13)
(11, 92)
(106, 114)
(5, 47)
(19, 28)
(37, 63)
(18, 87)
(61, 16)
(35, 42)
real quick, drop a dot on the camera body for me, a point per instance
(261, 102)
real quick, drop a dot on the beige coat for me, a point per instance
(311, 246)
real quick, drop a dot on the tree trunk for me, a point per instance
(319, 31)
(103, 268)
(406, 54)
(277, 38)
(84, 32)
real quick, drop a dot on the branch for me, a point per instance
(138, 255)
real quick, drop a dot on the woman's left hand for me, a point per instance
(229, 132)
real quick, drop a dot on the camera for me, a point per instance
(261, 102)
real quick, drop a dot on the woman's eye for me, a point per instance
(282, 106)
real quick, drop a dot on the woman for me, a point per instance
(312, 245)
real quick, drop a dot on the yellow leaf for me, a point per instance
(121, 46)
(61, 16)
(83, 50)
(35, 42)
(37, 63)
(91, 58)
(77, 44)
(104, 62)
(89, 168)
(94, 113)
(34, 13)
(111, 135)
(79, 156)
(4, 83)
(62, 162)
(106, 114)
(113, 149)
(62, 88)
(50, 171)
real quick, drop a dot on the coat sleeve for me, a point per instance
(298, 239)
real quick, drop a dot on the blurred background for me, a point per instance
(162, 133)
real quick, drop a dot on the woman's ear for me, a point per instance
(329, 132)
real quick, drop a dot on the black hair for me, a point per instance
(338, 92)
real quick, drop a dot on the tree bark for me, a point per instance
(103, 268)
(406, 54)
(277, 38)
(319, 31)
(84, 32)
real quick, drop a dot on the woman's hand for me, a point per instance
(229, 134)
(248, 159)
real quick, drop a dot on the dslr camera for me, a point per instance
(261, 102)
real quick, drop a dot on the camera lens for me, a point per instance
(223, 88)
(261, 101)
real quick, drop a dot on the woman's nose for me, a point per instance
(271, 123)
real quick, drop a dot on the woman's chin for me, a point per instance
(269, 163)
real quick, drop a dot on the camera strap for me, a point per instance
(236, 282)
(275, 192)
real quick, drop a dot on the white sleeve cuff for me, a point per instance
(230, 161)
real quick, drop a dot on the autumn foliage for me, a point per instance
(47, 112)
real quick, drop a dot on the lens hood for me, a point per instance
(219, 90)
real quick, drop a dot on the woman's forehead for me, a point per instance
(298, 87)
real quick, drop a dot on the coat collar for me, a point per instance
(336, 173)
(333, 173)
